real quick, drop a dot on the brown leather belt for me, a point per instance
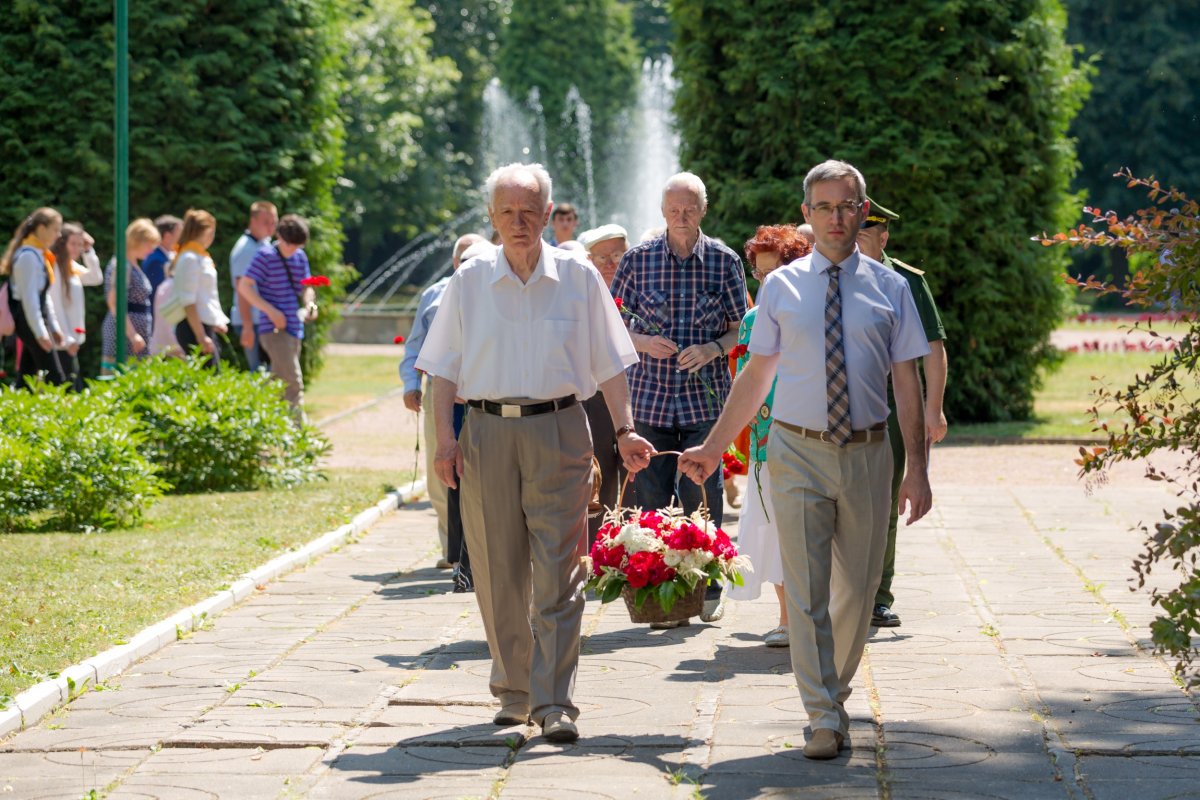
(875, 433)
(515, 410)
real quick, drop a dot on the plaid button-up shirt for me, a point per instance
(689, 301)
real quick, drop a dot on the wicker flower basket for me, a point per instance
(688, 606)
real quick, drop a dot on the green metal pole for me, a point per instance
(121, 183)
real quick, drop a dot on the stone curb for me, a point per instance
(31, 705)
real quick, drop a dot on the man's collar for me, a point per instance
(546, 267)
(698, 249)
(821, 263)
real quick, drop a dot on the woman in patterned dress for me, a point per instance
(772, 246)
(141, 237)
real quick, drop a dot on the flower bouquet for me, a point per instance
(664, 556)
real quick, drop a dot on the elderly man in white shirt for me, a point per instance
(523, 335)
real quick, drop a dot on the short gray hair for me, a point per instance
(508, 171)
(833, 170)
(463, 242)
(689, 181)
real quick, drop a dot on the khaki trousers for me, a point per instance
(832, 506)
(434, 487)
(525, 490)
(284, 351)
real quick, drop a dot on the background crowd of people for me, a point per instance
(172, 295)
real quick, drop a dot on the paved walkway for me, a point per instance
(1017, 674)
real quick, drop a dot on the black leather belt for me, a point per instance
(513, 410)
(875, 433)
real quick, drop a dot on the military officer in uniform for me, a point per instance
(872, 239)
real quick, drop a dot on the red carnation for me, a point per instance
(738, 351)
(398, 340)
(315, 280)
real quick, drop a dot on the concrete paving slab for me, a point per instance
(371, 681)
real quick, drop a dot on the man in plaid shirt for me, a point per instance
(683, 295)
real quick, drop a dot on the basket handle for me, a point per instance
(629, 476)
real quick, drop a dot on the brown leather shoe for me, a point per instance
(823, 744)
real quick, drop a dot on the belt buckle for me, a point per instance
(824, 437)
(510, 411)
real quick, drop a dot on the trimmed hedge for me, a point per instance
(215, 433)
(957, 114)
(100, 458)
(72, 457)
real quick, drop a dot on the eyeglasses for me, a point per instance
(826, 210)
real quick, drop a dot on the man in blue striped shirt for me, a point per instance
(274, 284)
(683, 295)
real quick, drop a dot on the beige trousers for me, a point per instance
(525, 490)
(832, 505)
(284, 352)
(433, 487)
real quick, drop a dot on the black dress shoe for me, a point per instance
(884, 617)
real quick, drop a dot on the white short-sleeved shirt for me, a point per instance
(196, 284)
(559, 334)
(880, 327)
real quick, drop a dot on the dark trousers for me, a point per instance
(34, 359)
(660, 482)
(604, 448)
(70, 368)
(456, 540)
(884, 596)
(187, 340)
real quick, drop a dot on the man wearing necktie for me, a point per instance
(832, 325)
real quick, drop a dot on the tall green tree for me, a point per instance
(957, 113)
(401, 169)
(230, 102)
(468, 32)
(588, 45)
(1142, 112)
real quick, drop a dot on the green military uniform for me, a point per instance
(931, 320)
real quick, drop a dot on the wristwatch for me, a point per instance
(621, 431)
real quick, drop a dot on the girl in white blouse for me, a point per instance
(29, 265)
(66, 293)
(195, 287)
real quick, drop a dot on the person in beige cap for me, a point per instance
(605, 246)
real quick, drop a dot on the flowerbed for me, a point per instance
(662, 555)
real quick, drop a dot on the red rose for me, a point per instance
(315, 280)
(398, 340)
(80, 330)
(638, 571)
(659, 571)
(620, 303)
(739, 350)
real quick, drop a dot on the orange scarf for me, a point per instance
(190, 247)
(48, 259)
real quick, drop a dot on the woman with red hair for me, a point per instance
(771, 247)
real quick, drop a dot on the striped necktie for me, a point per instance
(837, 392)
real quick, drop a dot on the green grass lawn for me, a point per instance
(1060, 407)
(68, 596)
(348, 381)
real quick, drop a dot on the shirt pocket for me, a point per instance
(710, 312)
(652, 308)
(558, 349)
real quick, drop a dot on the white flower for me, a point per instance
(636, 539)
